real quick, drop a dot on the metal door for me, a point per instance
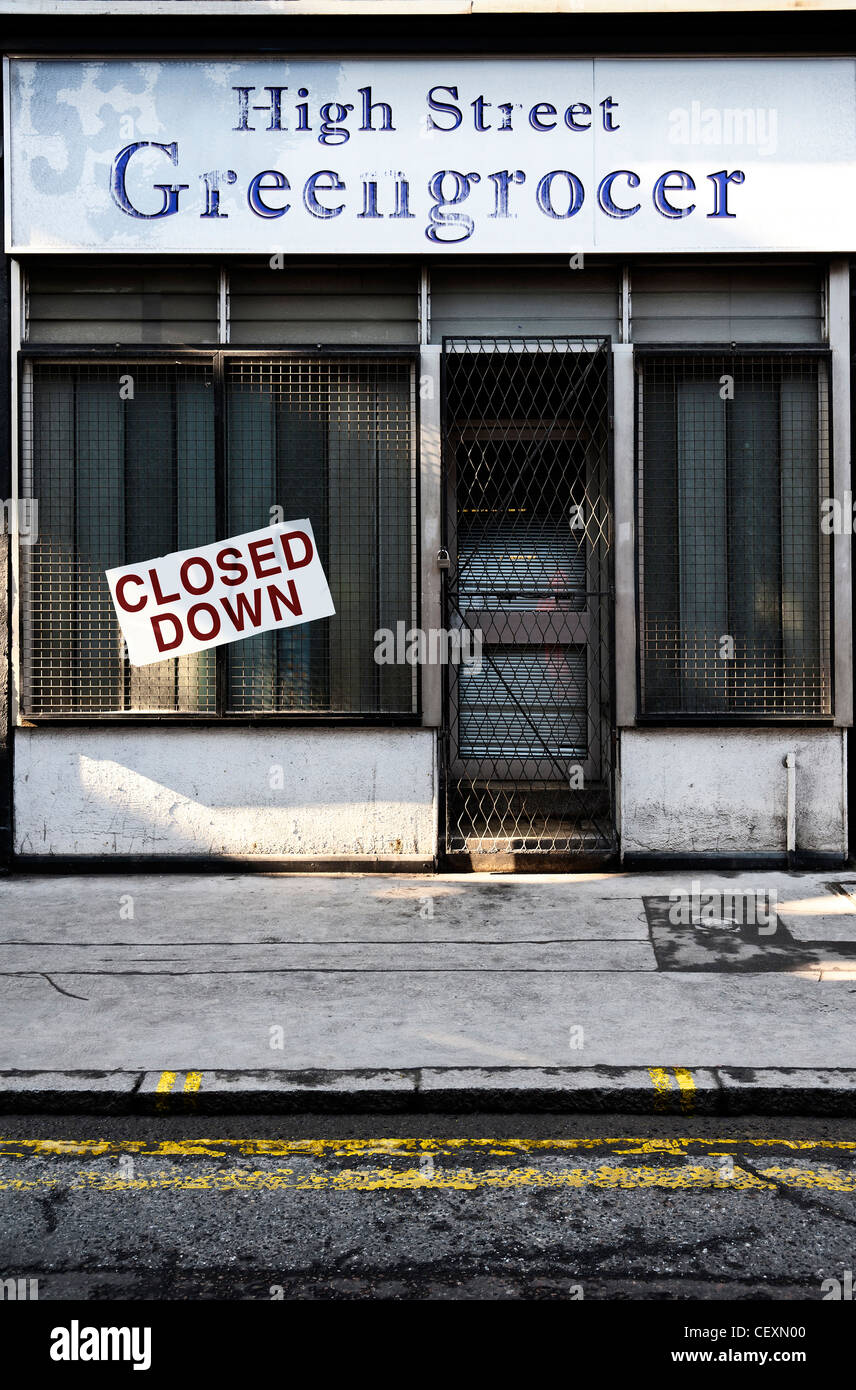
(528, 738)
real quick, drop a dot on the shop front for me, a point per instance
(554, 356)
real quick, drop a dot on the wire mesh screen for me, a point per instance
(528, 736)
(734, 565)
(122, 459)
(119, 458)
(331, 440)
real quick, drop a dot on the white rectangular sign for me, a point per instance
(224, 592)
(431, 156)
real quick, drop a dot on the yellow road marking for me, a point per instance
(694, 1177)
(684, 1078)
(165, 1084)
(355, 1148)
(370, 1164)
(660, 1078)
(663, 1085)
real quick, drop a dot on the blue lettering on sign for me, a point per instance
(544, 193)
(369, 108)
(446, 107)
(314, 185)
(604, 193)
(720, 182)
(662, 187)
(502, 180)
(211, 181)
(257, 188)
(438, 218)
(170, 190)
(384, 195)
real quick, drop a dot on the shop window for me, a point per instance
(132, 459)
(330, 439)
(734, 562)
(119, 457)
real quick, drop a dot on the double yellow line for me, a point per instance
(662, 1083)
(661, 1080)
(367, 1165)
(192, 1081)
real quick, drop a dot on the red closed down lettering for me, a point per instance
(244, 610)
(292, 602)
(160, 597)
(162, 645)
(120, 593)
(308, 552)
(242, 613)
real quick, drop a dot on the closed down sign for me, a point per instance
(194, 599)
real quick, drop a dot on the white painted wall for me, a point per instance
(353, 792)
(206, 791)
(705, 791)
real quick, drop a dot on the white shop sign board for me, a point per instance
(430, 156)
(225, 592)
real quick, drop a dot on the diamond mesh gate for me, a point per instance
(528, 739)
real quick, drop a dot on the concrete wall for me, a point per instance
(350, 792)
(713, 791)
(211, 791)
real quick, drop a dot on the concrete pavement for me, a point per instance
(588, 992)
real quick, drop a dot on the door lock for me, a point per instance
(443, 559)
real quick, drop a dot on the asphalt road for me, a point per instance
(441, 1207)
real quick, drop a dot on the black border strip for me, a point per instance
(778, 33)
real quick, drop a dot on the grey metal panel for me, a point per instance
(77, 302)
(514, 704)
(106, 276)
(695, 328)
(749, 303)
(550, 299)
(344, 332)
(694, 275)
(375, 304)
(332, 277)
(741, 304)
(375, 307)
(515, 573)
(94, 306)
(110, 331)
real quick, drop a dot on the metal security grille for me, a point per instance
(133, 458)
(527, 741)
(119, 457)
(514, 703)
(734, 564)
(330, 439)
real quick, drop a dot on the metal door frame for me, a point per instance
(600, 721)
